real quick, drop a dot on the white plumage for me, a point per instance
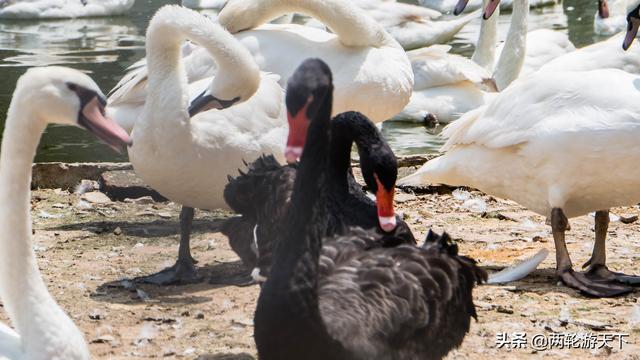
(565, 140)
(188, 160)
(366, 61)
(56, 9)
(607, 54)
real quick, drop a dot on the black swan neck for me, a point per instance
(297, 254)
(347, 128)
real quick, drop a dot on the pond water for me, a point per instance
(104, 47)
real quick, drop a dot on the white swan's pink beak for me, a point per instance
(490, 8)
(92, 117)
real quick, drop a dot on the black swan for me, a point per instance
(262, 194)
(346, 297)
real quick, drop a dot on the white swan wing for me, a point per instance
(547, 104)
(544, 45)
(435, 66)
(601, 55)
(10, 346)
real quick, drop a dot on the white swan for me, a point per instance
(467, 88)
(601, 55)
(543, 46)
(367, 63)
(187, 155)
(57, 9)
(561, 144)
(413, 26)
(446, 85)
(611, 19)
(445, 6)
(42, 96)
(372, 73)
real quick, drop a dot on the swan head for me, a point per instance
(380, 172)
(239, 15)
(66, 96)
(306, 97)
(633, 23)
(229, 88)
(490, 8)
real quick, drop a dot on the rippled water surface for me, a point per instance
(104, 47)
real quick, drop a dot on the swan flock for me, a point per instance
(259, 109)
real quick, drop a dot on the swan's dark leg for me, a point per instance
(184, 271)
(598, 270)
(564, 271)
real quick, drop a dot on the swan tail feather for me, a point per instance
(520, 270)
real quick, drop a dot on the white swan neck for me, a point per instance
(345, 19)
(514, 51)
(167, 81)
(44, 327)
(485, 52)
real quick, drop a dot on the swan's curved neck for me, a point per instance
(344, 19)
(485, 52)
(168, 94)
(31, 308)
(294, 275)
(514, 50)
(346, 129)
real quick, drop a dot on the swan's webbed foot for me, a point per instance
(240, 280)
(595, 288)
(601, 273)
(182, 272)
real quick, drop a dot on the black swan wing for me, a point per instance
(405, 302)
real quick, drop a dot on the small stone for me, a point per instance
(165, 215)
(504, 309)
(403, 197)
(145, 200)
(96, 197)
(142, 295)
(104, 339)
(95, 314)
(117, 231)
(185, 313)
(200, 316)
(538, 239)
(496, 215)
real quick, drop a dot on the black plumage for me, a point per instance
(348, 297)
(262, 194)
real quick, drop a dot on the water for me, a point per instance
(104, 47)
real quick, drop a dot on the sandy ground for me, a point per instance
(87, 253)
